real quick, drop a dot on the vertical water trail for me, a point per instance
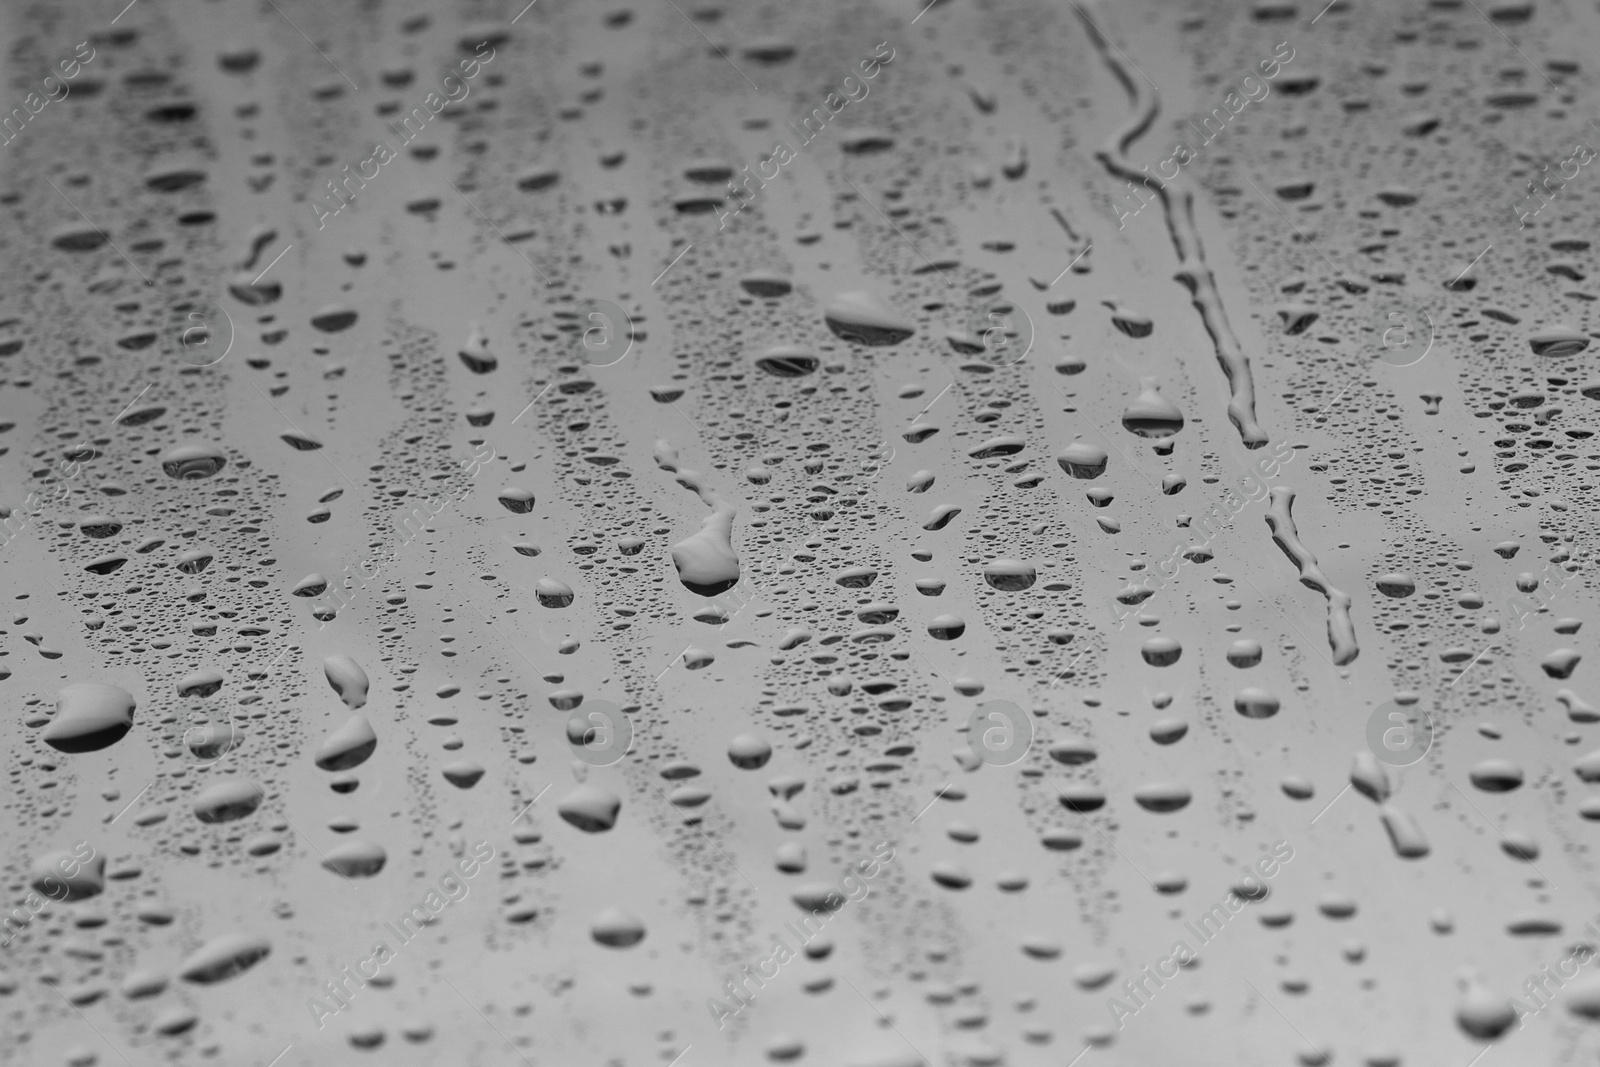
(1341, 631)
(1193, 271)
(706, 561)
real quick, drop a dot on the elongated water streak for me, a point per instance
(706, 561)
(1193, 271)
(1341, 631)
